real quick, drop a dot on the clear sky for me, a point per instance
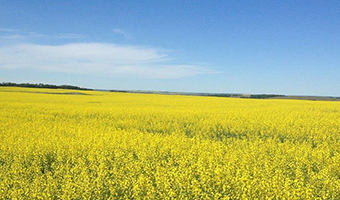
(281, 47)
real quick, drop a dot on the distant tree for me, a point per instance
(264, 96)
(41, 85)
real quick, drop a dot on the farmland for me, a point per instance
(69, 144)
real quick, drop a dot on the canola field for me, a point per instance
(106, 145)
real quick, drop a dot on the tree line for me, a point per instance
(41, 85)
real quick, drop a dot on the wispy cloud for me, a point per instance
(68, 36)
(121, 32)
(11, 34)
(6, 30)
(14, 35)
(97, 58)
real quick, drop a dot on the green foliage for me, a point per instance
(41, 85)
(264, 96)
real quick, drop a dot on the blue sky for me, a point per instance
(282, 47)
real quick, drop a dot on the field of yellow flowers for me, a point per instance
(58, 144)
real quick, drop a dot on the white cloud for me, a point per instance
(11, 34)
(6, 30)
(97, 58)
(19, 36)
(121, 32)
(68, 36)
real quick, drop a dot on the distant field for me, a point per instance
(70, 144)
(311, 98)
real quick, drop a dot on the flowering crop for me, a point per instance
(57, 144)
